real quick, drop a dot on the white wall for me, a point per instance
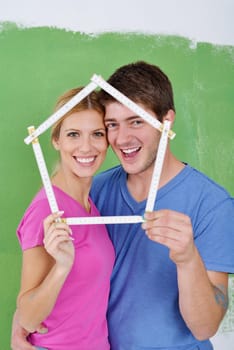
(200, 20)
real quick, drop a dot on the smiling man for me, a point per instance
(169, 284)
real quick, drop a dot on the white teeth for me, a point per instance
(130, 150)
(85, 160)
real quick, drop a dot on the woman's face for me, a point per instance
(82, 143)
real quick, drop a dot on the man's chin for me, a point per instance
(131, 169)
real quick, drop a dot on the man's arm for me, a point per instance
(202, 294)
(19, 336)
(203, 297)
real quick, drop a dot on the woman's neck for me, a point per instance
(75, 187)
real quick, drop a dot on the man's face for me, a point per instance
(134, 141)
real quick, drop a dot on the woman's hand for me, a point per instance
(58, 240)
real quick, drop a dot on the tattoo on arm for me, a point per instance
(221, 296)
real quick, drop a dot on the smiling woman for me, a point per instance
(80, 138)
(82, 147)
(57, 268)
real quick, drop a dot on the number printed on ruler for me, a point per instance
(158, 167)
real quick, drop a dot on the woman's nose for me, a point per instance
(85, 144)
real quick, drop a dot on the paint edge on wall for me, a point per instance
(9, 25)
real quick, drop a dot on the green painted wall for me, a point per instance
(37, 65)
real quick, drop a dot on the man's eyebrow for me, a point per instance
(108, 119)
(128, 118)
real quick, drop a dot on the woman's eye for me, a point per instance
(73, 134)
(99, 134)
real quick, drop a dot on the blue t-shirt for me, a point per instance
(143, 308)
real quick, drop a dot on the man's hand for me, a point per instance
(174, 230)
(19, 335)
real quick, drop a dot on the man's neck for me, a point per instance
(139, 184)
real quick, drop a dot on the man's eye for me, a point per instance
(110, 125)
(137, 122)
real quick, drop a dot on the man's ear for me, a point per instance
(170, 116)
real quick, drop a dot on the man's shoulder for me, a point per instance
(206, 183)
(108, 175)
(106, 183)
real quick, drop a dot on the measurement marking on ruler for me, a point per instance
(130, 104)
(164, 128)
(104, 220)
(96, 81)
(52, 199)
(43, 172)
(60, 113)
(158, 167)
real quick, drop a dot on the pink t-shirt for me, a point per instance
(78, 320)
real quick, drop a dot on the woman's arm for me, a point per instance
(44, 271)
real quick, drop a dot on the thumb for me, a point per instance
(42, 329)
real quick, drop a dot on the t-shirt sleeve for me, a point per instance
(30, 230)
(215, 241)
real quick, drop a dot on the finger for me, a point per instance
(163, 232)
(56, 227)
(155, 215)
(167, 242)
(56, 237)
(61, 226)
(42, 329)
(171, 238)
(181, 234)
(60, 246)
(168, 219)
(52, 218)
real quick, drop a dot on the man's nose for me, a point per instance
(123, 135)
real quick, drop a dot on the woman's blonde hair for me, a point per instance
(89, 102)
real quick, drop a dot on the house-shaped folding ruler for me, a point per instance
(98, 81)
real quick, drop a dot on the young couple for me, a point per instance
(168, 286)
